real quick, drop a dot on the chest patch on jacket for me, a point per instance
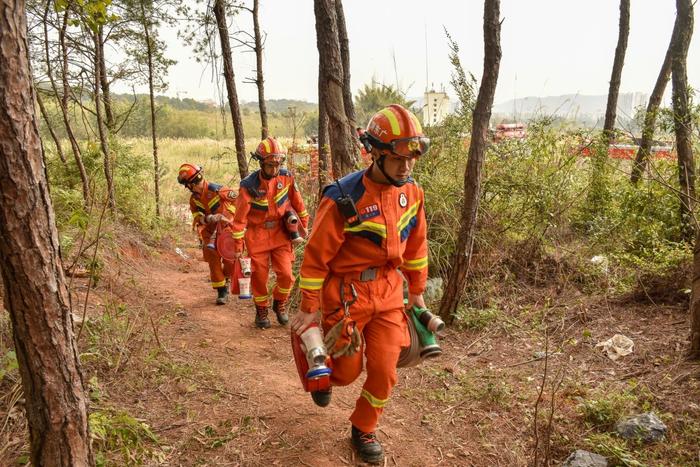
(368, 212)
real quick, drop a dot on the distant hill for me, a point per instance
(281, 105)
(572, 106)
(273, 105)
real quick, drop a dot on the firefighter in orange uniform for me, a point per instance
(210, 204)
(358, 251)
(266, 197)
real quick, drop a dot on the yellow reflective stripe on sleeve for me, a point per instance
(214, 200)
(373, 401)
(393, 121)
(231, 208)
(197, 214)
(379, 229)
(415, 264)
(260, 299)
(304, 213)
(311, 283)
(238, 234)
(281, 194)
(198, 204)
(406, 217)
(218, 284)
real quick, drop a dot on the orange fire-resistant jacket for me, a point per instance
(215, 199)
(392, 235)
(260, 210)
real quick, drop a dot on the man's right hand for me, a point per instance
(302, 320)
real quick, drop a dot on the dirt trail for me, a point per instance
(271, 420)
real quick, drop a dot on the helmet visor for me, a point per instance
(188, 179)
(273, 159)
(410, 147)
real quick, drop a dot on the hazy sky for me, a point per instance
(550, 47)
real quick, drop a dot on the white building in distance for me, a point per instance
(435, 108)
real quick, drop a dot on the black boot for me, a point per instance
(321, 398)
(367, 446)
(261, 319)
(221, 295)
(279, 307)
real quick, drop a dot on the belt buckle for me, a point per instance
(368, 275)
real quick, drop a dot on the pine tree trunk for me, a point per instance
(323, 148)
(683, 119)
(259, 79)
(49, 73)
(657, 94)
(104, 83)
(35, 291)
(345, 56)
(615, 78)
(54, 137)
(229, 77)
(151, 96)
(340, 131)
(62, 99)
(694, 352)
(477, 148)
(104, 143)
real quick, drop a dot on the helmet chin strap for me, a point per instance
(393, 181)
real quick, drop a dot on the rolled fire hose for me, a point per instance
(410, 356)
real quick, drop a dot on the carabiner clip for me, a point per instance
(353, 293)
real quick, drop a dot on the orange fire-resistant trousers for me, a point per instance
(219, 269)
(379, 315)
(281, 258)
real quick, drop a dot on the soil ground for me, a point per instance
(216, 391)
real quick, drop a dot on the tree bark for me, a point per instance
(104, 143)
(62, 99)
(477, 148)
(54, 137)
(151, 96)
(683, 118)
(229, 77)
(694, 352)
(35, 290)
(323, 148)
(657, 94)
(259, 81)
(340, 131)
(345, 57)
(104, 83)
(615, 78)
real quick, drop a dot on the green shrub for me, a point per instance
(116, 434)
(476, 319)
(604, 411)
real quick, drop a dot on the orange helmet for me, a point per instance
(189, 174)
(270, 150)
(396, 129)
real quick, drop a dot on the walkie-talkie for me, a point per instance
(347, 208)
